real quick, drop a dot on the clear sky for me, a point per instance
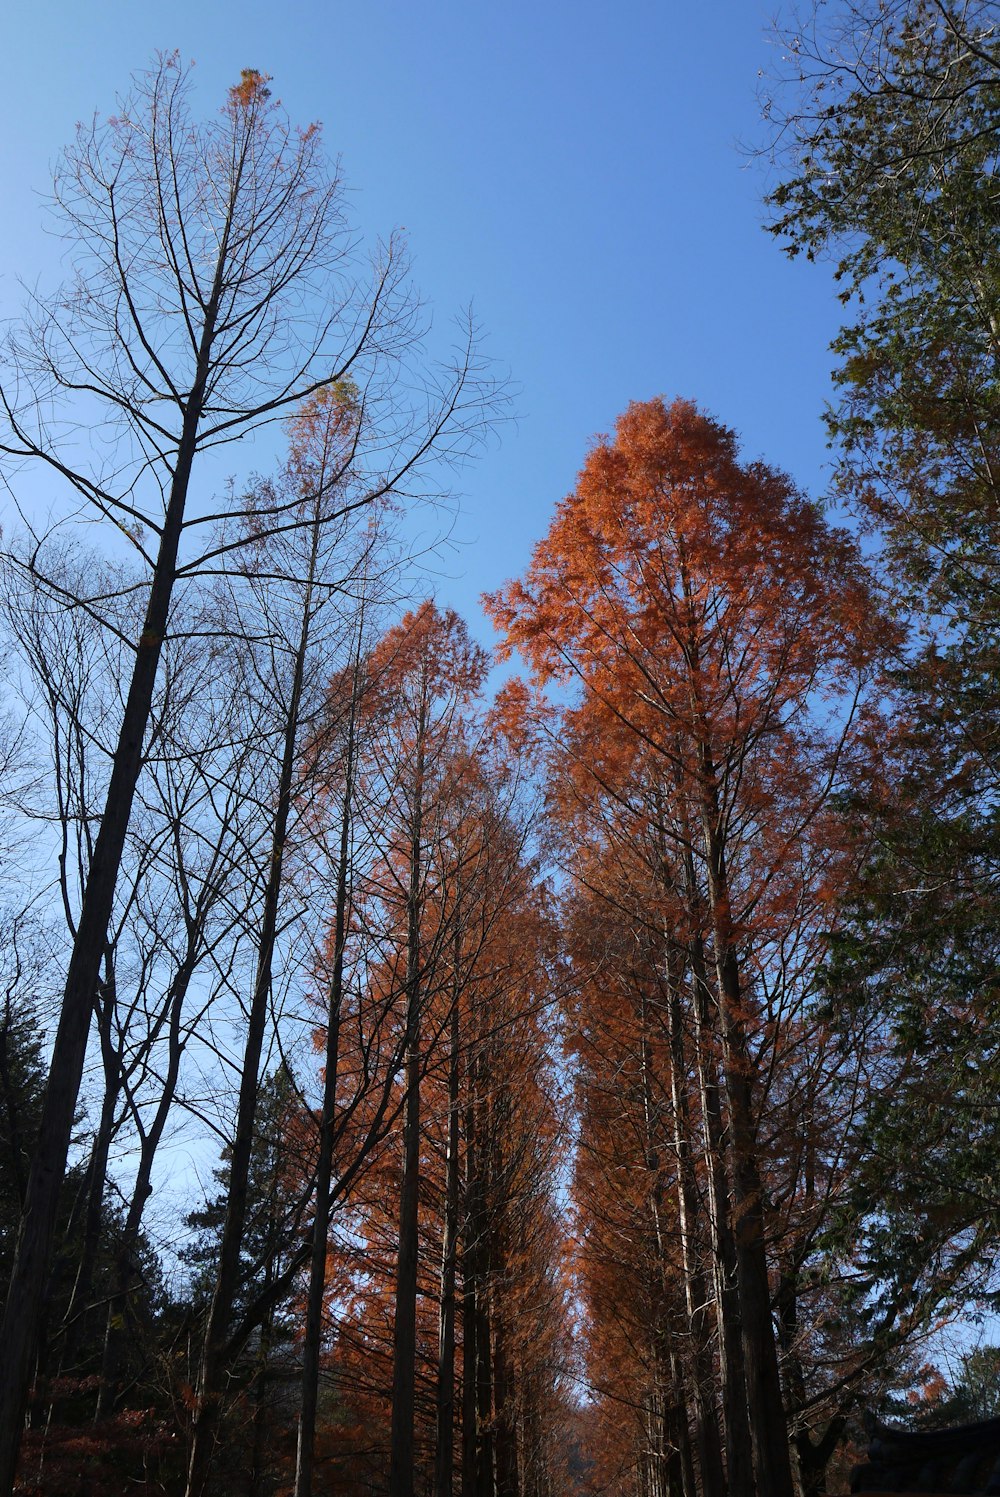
(573, 169)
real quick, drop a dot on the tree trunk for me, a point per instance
(506, 1433)
(258, 1453)
(208, 1394)
(484, 1483)
(695, 1290)
(768, 1429)
(125, 1265)
(76, 1320)
(735, 1416)
(470, 1280)
(444, 1454)
(305, 1454)
(404, 1368)
(37, 1228)
(678, 1432)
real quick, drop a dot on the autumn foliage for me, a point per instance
(575, 1182)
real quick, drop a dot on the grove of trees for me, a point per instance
(426, 1079)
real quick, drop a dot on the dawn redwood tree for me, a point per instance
(487, 1322)
(647, 1085)
(212, 290)
(629, 1026)
(706, 610)
(429, 671)
(485, 1241)
(346, 708)
(509, 1138)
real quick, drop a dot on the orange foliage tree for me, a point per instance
(444, 1290)
(720, 636)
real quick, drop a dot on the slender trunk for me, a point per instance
(695, 1291)
(735, 1416)
(679, 1434)
(506, 1435)
(663, 1454)
(658, 1452)
(477, 1390)
(470, 1280)
(258, 1453)
(768, 1428)
(76, 1317)
(444, 1455)
(305, 1454)
(533, 1474)
(69, 1050)
(484, 1486)
(125, 1258)
(206, 1412)
(401, 1457)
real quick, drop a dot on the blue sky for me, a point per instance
(573, 170)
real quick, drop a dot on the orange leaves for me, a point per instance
(430, 650)
(672, 559)
(322, 434)
(251, 90)
(719, 634)
(711, 639)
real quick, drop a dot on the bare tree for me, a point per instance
(182, 890)
(215, 287)
(284, 612)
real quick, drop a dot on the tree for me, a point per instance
(887, 140)
(345, 732)
(22, 1073)
(700, 605)
(975, 1392)
(238, 307)
(293, 581)
(889, 125)
(177, 867)
(485, 1321)
(428, 670)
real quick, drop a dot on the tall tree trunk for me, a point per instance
(768, 1428)
(477, 1390)
(125, 1258)
(484, 1483)
(470, 1281)
(76, 1319)
(37, 1227)
(210, 1373)
(678, 1432)
(401, 1458)
(506, 1429)
(258, 1453)
(735, 1414)
(695, 1291)
(444, 1454)
(305, 1454)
